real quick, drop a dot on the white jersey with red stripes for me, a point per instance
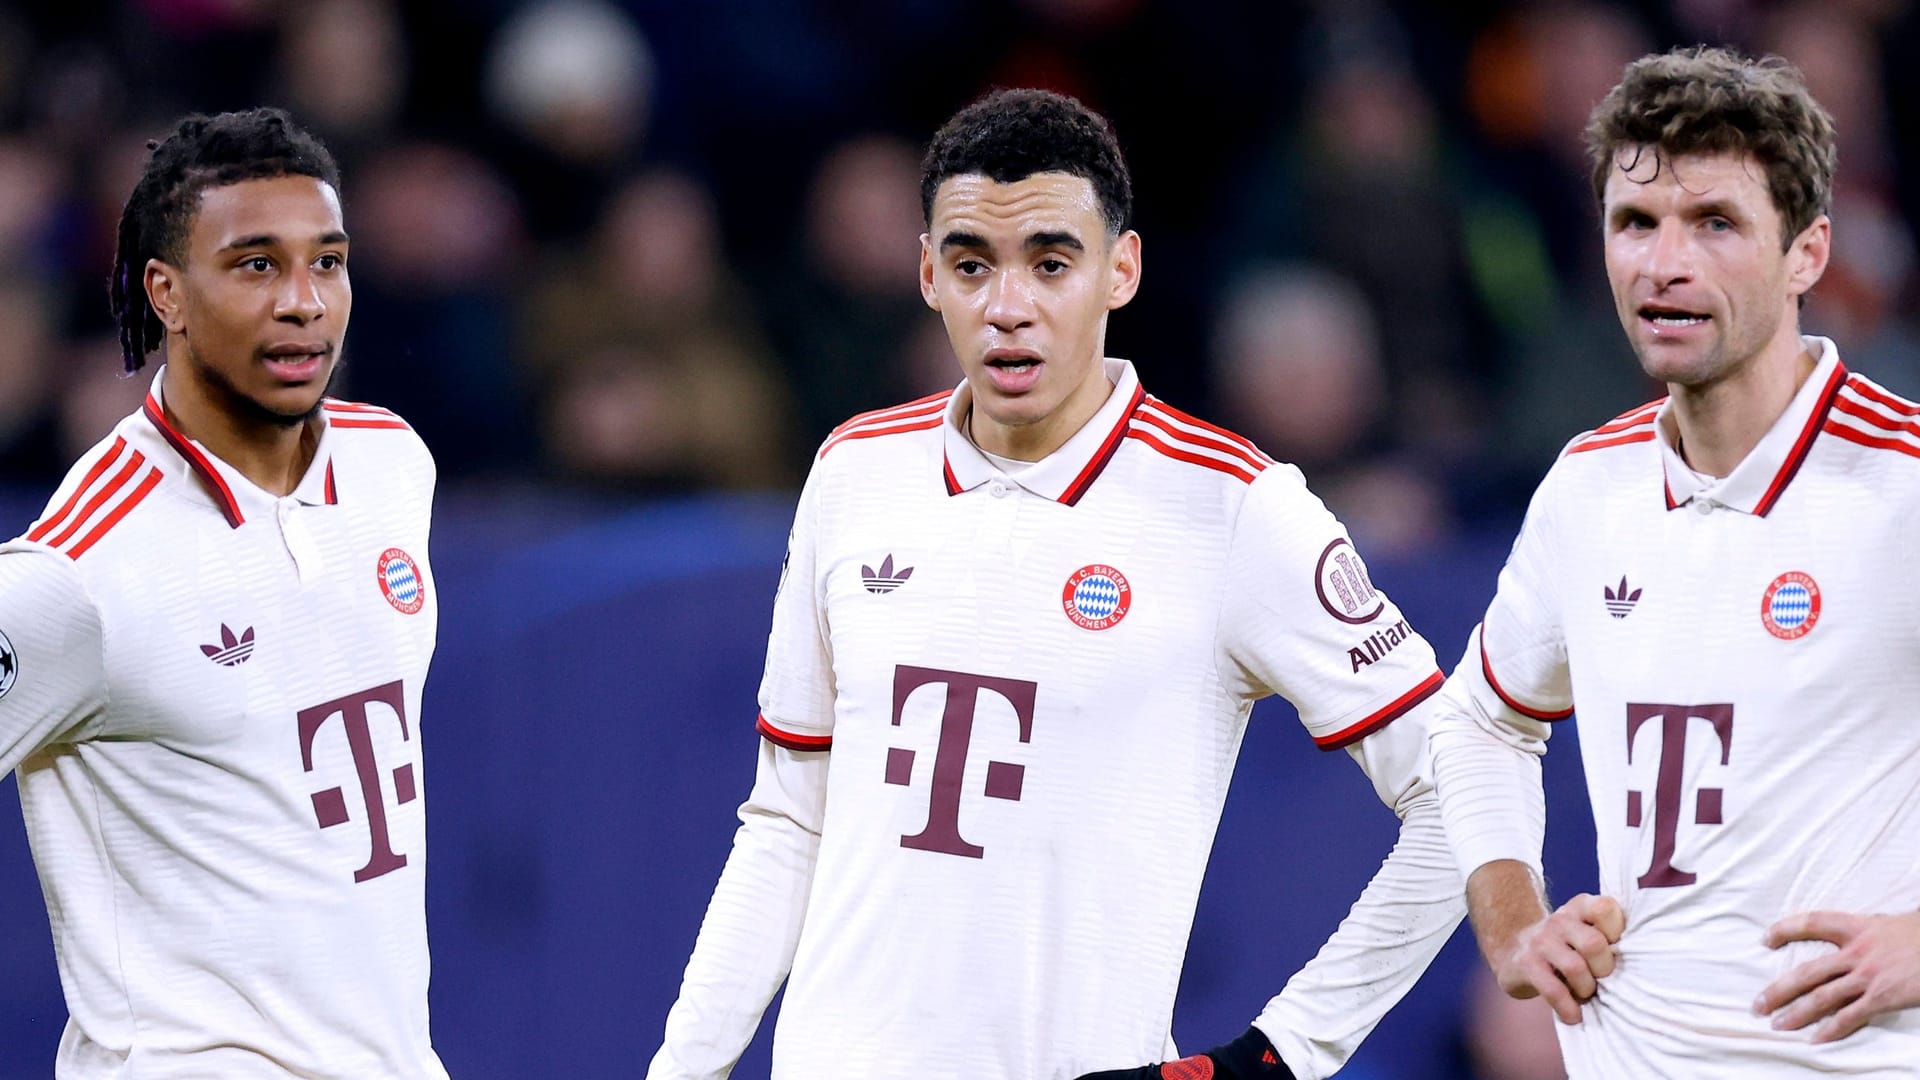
(212, 698)
(1030, 688)
(1744, 656)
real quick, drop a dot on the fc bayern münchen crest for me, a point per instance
(1096, 597)
(1791, 606)
(400, 582)
(9, 665)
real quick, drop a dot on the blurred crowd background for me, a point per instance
(657, 247)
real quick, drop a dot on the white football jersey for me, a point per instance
(212, 698)
(1745, 660)
(1033, 686)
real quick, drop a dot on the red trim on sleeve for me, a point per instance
(874, 432)
(1192, 459)
(1394, 710)
(791, 741)
(1855, 435)
(111, 489)
(1868, 390)
(106, 525)
(1486, 668)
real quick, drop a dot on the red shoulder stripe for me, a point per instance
(391, 425)
(1875, 394)
(106, 492)
(893, 412)
(47, 525)
(791, 741)
(147, 484)
(871, 432)
(1254, 459)
(1855, 435)
(1392, 711)
(1233, 437)
(1486, 668)
(1618, 440)
(1873, 416)
(1215, 464)
(1639, 414)
(336, 405)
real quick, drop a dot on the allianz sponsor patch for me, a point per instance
(1791, 606)
(1097, 597)
(1345, 590)
(1378, 644)
(9, 665)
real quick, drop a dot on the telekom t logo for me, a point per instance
(1666, 793)
(1004, 779)
(330, 806)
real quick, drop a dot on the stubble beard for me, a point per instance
(252, 412)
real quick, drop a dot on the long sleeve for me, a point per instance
(53, 684)
(752, 926)
(1394, 930)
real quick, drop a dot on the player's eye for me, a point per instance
(330, 261)
(259, 264)
(1052, 266)
(969, 267)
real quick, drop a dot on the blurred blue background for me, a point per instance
(624, 262)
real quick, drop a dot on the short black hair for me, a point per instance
(1010, 135)
(203, 152)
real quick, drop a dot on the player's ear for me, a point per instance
(926, 272)
(163, 283)
(1807, 256)
(1126, 269)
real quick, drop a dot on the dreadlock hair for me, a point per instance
(1010, 135)
(203, 152)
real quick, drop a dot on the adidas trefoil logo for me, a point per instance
(232, 651)
(886, 580)
(1620, 603)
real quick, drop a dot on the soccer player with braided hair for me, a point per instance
(212, 647)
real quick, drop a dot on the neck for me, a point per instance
(1719, 423)
(273, 454)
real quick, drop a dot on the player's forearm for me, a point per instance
(1504, 899)
(752, 926)
(1407, 912)
(1488, 780)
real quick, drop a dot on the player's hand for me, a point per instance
(1249, 1057)
(1875, 971)
(1563, 957)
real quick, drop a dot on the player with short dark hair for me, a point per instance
(1020, 631)
(212, 647)
(1715, 581)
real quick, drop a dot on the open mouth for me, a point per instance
(1672, 318)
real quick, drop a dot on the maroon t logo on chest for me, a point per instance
(330, 806)
(1666, 792)
(1004, 779)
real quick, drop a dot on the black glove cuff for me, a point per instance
(1252, 1057)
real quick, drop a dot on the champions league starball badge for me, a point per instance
(9, 665)
(1790, 606)
(1097, 597)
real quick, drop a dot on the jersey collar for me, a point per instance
(1064, 475)
(1756, 484)
(237, 497)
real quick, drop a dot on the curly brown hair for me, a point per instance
(1704, 100)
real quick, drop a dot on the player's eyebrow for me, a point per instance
(1055, 240)
(267, 240)
(958, 239)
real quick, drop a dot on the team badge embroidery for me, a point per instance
(1097, 597)
(9, 665)
(1345, 590)
(400, 582)
(888, 579)
(1791, 606)
(1620, 604)
(232, 651)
